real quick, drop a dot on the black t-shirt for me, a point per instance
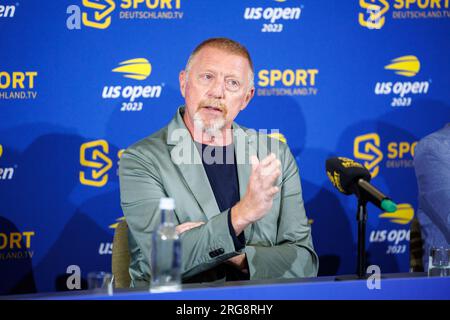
(221, 169)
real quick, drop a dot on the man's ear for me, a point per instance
(249, 95)
(182, 79)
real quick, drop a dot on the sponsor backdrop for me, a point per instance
(80, 80)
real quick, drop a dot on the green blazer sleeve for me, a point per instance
(293, 255)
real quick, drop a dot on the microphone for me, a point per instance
(351, 177)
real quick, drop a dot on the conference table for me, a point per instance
(399, 286)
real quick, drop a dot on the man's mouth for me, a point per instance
(212, 109)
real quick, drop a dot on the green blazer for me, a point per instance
(168, 164)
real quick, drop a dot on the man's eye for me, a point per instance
(207, 76)
(233, 84)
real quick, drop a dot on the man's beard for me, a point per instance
(212, 127)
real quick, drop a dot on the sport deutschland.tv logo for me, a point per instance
(399, 154)
(137, 69)
(18, 85)
(373, 15)
(287, 82)
(403, 91)
(97, 13)
(16, 245)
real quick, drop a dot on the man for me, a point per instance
(432, 166)
(242, 219)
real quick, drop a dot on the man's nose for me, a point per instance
(217, 89)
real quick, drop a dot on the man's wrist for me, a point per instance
(238, 219)
(238, 240)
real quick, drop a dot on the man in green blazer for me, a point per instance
(243, 219)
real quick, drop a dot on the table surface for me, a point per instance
(398, 286)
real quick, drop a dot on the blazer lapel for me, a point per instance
(186, 156)
(245, 146)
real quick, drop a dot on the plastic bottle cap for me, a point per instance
(166, 204)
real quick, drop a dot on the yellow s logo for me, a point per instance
(99, 162)
(367, 147)
(376, 13)
(101, 13)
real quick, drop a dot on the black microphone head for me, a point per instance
(344, 173)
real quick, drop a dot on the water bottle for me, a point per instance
(166, 251)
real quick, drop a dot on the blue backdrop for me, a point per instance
(363, 79)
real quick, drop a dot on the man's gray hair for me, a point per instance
(226, 45)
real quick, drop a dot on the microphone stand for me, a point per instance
(361, 217)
